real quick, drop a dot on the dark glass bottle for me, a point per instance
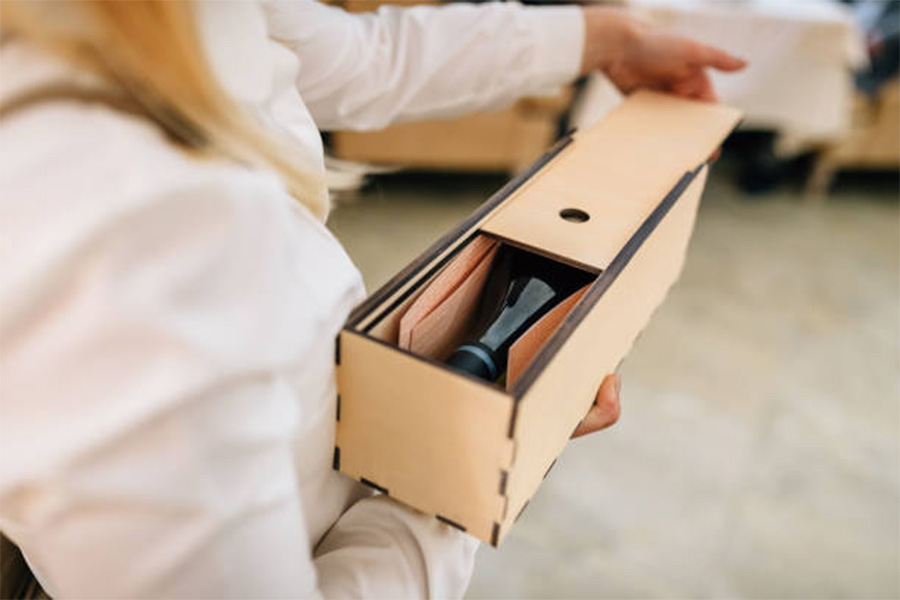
(535, 285)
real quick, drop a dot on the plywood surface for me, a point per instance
(439, 319)
(433, 439)
(617, 172)
(565, 390)
(527, 346)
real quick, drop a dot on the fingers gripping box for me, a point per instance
(609, 211)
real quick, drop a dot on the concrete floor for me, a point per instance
(758, 455)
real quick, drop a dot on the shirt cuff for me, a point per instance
(559, 32)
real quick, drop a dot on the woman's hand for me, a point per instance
(638, 55)
(606, 408)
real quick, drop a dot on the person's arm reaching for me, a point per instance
(365, 71)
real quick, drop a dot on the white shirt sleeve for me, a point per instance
(365, 71)
(380, 549)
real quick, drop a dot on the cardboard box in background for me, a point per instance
(505, 140)
(872, 142)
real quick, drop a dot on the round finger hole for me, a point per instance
(574, 215)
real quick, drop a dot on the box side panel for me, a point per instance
(563, 392)
(616, 173)
(432, 439)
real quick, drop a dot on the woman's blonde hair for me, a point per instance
(150, 51)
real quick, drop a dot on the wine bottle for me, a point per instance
(536, 285)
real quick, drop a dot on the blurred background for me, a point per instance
(759, 451)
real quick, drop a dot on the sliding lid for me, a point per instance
(615, 173)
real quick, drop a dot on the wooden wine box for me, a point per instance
(618, 201)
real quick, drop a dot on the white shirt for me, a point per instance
(167, 322)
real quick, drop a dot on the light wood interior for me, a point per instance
(622, 168)
(388, 328)
(439, 315)
(437, 322)
(523, 351)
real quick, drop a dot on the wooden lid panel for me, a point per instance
(616, 173)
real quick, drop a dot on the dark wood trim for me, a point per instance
(521, 510)
(337, 349)
(374, 486)
(511, 430)
(550, 468)
(447, 521)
